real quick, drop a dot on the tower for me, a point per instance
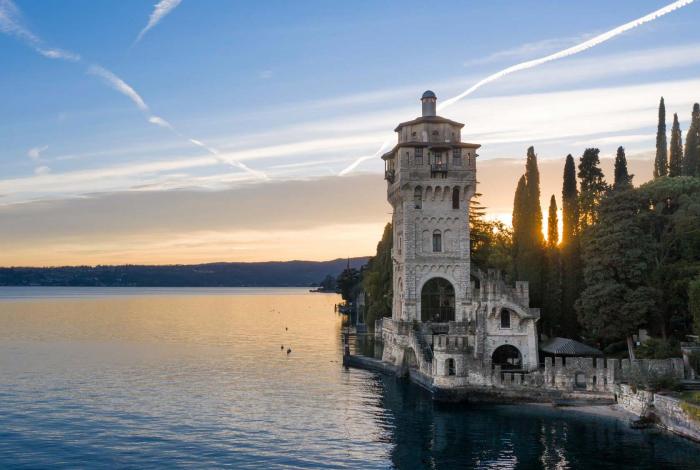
(431, 178)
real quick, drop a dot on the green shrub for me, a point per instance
(657, 348)
(691, 410)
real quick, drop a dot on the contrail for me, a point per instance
(160, 10)
(11, 24)
(125, 89)
(585, 45)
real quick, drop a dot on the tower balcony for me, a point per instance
(390, 175)
(438, 169)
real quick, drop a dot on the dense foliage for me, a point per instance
(377, 280)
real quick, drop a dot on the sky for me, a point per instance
(201, 131)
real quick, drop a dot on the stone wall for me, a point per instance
(581, 373)
(667, 410)
(674, 418)
(651, 368)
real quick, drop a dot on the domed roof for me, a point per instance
(428, 94)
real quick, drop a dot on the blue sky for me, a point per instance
(298, 91)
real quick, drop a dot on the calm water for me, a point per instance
(196, 378)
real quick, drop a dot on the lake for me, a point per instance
(122, 377)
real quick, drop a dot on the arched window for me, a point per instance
(455, 198)
(505, 318)
(437, 241)
(450, 366)
(418, 197)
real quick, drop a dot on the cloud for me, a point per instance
(119, 85)
(125, 89)
(35, 152)
(584, 46)
(42, 170)
(12, 25)
(528, 49)
(160, 11)
(248, 222)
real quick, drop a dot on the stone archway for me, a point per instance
(410, 360)
(437, 301)
(508, 357)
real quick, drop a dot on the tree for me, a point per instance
(552, 293)
(670, 214)
(491, 241)
(347, 282)
(519, 213)
(534, 209)
(593, 187)
(661, 161)
(571, 269)
(675, 166)
(691, 158)
(552, 223)
(377, 280)
(528, 240)
(616, 299)
(623, 180)
(569, 197)
(694, 303)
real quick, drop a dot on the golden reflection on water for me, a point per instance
(194, 377)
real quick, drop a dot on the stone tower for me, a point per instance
(431, 177)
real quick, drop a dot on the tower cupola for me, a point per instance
(429, 101)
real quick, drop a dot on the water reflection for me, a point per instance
(198, 378)
(430, 435)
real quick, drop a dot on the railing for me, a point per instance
(438, 167)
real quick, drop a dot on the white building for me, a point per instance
(449, 320)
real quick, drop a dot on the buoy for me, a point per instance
(289, 350)
(282, 347)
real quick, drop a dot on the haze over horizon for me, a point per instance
(210, 132)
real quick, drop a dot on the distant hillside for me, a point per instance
(267, 274)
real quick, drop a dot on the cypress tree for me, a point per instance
(676, 164)
(552, 224)
(532, 177)
(552, 293)
(691, 159)
(623, 180)
(593, 187)
(571, 270)
(570, 201)
(519, 213)
(661, 161)
(528, 240)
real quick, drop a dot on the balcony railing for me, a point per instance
(438, 168)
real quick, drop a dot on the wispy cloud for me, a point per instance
(42, 170)
(35, 152)
(119, 85)
(11, 24)
(160, 11)
(584, 46)
(528, 49)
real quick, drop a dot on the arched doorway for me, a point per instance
(508, 357)
(410, 361)
(437, 301)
